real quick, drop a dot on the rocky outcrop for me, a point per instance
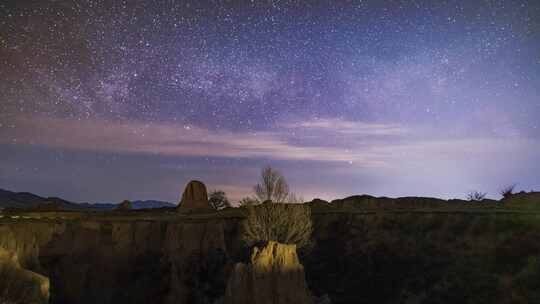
(19, 285)
(124, 206)
(274, 276)
(22, 276)
(195, 198)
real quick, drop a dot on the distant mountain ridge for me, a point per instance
(147, 204)
(150, 204)
(26, 200)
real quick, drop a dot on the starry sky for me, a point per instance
(108, 100)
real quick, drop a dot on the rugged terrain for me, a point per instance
(364, 250)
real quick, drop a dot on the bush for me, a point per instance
(248, 201)
(476, 196)
(124, 205)
(507, 191)
(283, 223)
(218, 200)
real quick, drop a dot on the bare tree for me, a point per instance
(507, 191)
(272, 187)
(287, 222)
(218, 199)
(476, 196)
(294, 199)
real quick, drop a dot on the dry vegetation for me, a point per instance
(476, 196)
(284, 223)
(507, 191)
(279, 218)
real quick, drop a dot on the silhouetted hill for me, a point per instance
(148, 204)
(25, 200)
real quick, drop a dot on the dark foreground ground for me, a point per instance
(364, 250)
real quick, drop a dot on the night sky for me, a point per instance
(108, 100)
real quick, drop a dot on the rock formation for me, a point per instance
(19, 285)
(18, 249)
(195, 198)
(275, 276)
(125, 205)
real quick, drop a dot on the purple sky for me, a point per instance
(102, 101)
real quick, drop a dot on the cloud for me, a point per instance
(325, 157)
(165, 139)
(349, 128)
(384, 146)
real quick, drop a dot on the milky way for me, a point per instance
(107, 100)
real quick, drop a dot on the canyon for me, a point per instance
(363, 250)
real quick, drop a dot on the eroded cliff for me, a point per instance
(273, 275)
(361, 253)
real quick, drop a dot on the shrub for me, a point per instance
(476, 196)
(283, 223)
(507, 191)
(248, 201)
(125, 205)
(218, 200)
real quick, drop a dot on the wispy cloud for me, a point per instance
(342, 157)
(349, 128)
(327, 140)
(169, 139)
